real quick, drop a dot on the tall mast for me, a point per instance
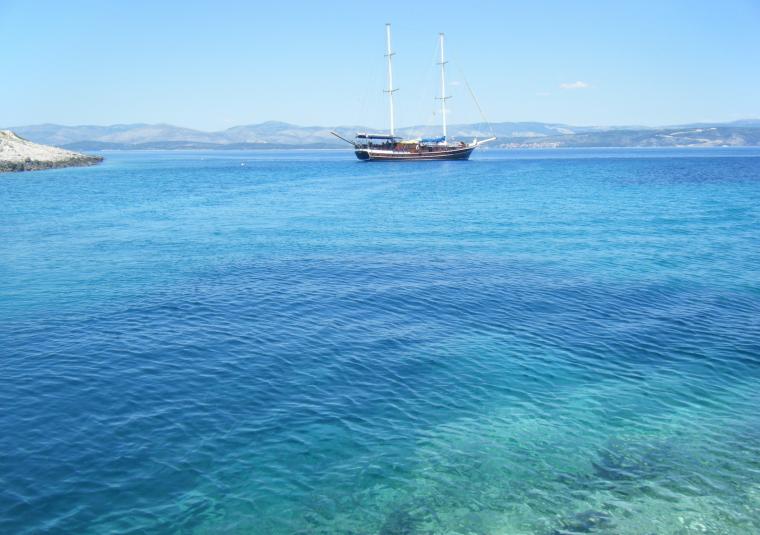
(443, 98)
(390, 89)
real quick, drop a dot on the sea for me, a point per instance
(295, 342)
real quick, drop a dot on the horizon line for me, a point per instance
(275, 121)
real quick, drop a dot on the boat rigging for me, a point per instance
(381, 147)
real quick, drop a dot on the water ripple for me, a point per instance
(281, 349)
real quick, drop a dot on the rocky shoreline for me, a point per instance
(37, 165)
(19, 154)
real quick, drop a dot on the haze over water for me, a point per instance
(533, 342)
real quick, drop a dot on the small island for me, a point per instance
(19, 154)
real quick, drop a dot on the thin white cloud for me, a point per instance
(575, 85)
(543, 94)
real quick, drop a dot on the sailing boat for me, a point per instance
(381, 147)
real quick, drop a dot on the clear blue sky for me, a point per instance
(211, 65)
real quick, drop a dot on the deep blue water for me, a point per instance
(296, 342)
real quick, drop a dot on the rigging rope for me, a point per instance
(423, 98)
(472, 94)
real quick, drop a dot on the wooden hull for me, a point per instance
(373, 155)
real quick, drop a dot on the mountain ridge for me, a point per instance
(278, 134)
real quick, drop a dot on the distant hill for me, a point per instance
(191, 145)
(275, 134)
(731, 136)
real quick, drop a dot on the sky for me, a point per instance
(212, 65)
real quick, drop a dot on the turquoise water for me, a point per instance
(532, 342)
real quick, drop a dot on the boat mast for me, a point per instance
(443, 98)
(390, 89)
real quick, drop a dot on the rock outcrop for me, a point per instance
(19, 154)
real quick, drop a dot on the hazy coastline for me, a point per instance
(280, 135)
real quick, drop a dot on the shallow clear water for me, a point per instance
(296, 342)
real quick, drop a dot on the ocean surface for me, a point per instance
(532, 342)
